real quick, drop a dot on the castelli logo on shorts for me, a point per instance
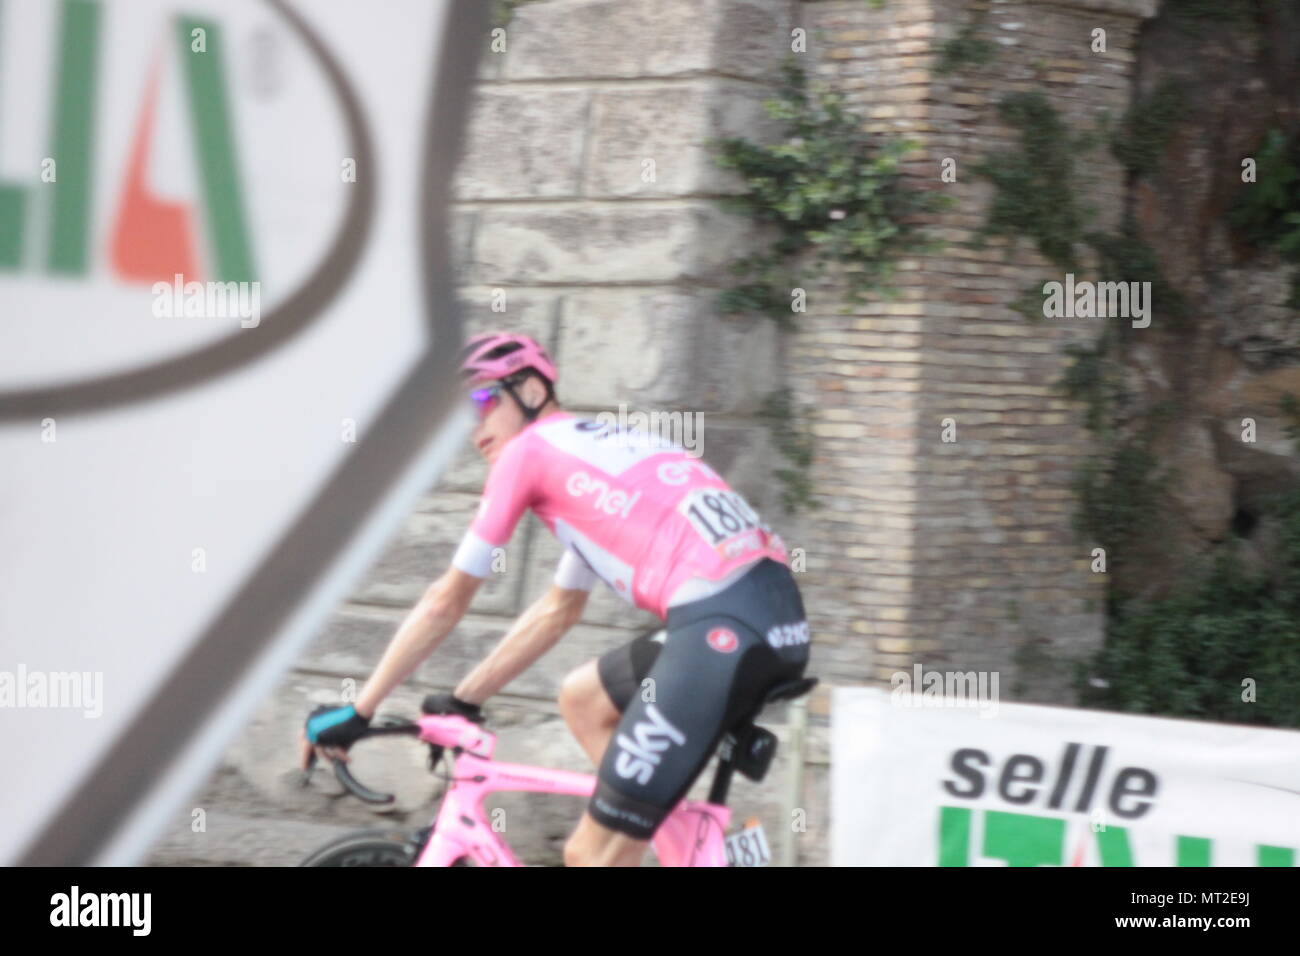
(722, 639)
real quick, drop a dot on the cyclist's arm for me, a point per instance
(506, 494)
(431, 620)
(535, 632)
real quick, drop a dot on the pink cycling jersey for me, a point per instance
(643, 516)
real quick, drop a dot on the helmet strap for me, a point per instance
(530, 414)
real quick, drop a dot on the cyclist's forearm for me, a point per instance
(424, 628)
(535, 633)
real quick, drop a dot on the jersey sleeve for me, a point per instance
(508, 492)
(573, 573)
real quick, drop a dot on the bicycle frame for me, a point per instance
(692, 835)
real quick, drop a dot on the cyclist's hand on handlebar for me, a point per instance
(329, 732)
(451, 704)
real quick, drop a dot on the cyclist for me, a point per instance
(661, 529)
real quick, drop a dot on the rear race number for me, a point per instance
(725, 520)
(748, 848)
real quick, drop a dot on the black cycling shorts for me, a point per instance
(680, 693)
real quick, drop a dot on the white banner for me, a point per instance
(229, 336)
(916, 783)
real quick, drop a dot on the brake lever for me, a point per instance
(384, 726)
(357, 788)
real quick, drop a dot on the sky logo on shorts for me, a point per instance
(722, 639)
(640, 753)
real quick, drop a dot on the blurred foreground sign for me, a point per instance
(1022, 785)
(227, 330)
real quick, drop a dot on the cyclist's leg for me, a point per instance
(710, 673)
(593, 844)
(593, 696)
(592, 700)
(616, 829)
(587, 708)
(723, 653)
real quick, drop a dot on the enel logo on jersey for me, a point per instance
(611, 502)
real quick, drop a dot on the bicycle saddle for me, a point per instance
(789, 689)
(749, 747)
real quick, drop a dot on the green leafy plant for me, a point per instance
(1148, 126)
(967, 47)
(1037, 182)
(1030, 301)
(1035, 185)
(1188, 654)
(1267, 211)
(1198, 17)
(832, 193)
(1124, 257)
(1093, 379)
(1119, 496)
(1264, 209)
(1289, 406)
(780, 415)
(1117, 489)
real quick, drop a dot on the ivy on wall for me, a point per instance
(1188, 654)
(1036, 182)
(1267, 211)
(1201, 16)
(1226, 633)
(1289, 407)
(832, 194)
(1125, 255)
(780, 414)
(1148, 126)
(967, 48)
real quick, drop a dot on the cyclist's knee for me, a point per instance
(575, 854)
(582, 696)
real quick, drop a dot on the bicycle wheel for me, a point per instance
(374, 848)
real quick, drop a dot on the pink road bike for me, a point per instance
(694, 834)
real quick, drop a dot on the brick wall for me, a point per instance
(957, 555)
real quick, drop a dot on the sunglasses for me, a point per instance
(485, 399)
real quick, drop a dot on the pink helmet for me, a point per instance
(496, 355)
